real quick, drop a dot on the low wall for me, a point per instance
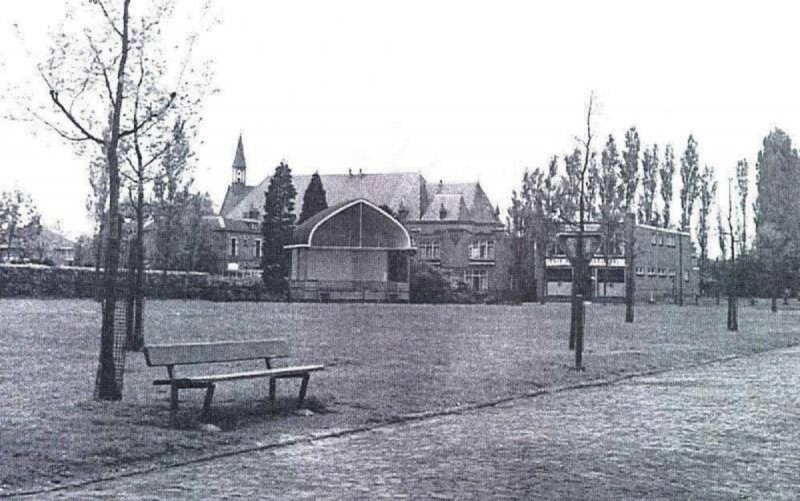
(74, 282)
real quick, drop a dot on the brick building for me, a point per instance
(662, 258)
(453, 226)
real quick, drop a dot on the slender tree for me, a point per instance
(666, 173)
(314, 200)
(277, 227)
(708, 192)
(570, 186)
(610, 195)
(171, 194)
(647, 210)
(733, 321)
(743, 188)
(629, 169)
(690, 175)
(90, 79)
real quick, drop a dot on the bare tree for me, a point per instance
(579, 292)
(90, 79)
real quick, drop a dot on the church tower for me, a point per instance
(239, 169)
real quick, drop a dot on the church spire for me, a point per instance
(239, 165)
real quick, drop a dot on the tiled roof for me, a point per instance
(380, 189)
(219, 223)
(446, 207)
(395, 190)
(235, 194)
(479, 207)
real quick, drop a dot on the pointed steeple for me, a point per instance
(238, 160)
(239, 170)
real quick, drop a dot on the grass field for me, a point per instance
(382, 362)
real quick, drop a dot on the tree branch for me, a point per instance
(102, 67)
(151, 116)
(71, 118)
(108, 16)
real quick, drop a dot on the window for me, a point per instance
(685, 276)
(252, 214)
(672, 273)
(654, 239)
(429, 250)
(640, 271)
(662, 272)
(661, 239)
(476, 279)
(233, 247)
(651, 271)
(670, 240)
(482, 250)
(257, 248)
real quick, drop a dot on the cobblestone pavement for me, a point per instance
(723, 431)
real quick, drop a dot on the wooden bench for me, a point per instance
(170, 355)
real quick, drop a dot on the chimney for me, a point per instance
(350, 172)
(360, 173)
(441, 187)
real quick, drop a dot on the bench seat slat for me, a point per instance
(279, 372)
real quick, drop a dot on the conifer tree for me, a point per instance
(314, 200)
(277, 227)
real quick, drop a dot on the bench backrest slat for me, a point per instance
(226, 351)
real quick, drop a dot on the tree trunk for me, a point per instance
(106, 387)
(630, 284)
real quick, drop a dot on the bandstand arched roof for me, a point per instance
(355, 224)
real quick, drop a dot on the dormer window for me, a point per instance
(252, 214)
(442, 212)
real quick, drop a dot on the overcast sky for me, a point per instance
(457, 91)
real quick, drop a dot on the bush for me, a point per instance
(428, 285)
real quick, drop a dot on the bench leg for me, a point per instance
(272, 391)
(173, 403)
(303, 388)
(207, 402)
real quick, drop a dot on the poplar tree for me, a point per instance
(708, 192)
(629, 174)
(610, 193)
(647, 210)
(666, 173)
(743, 188)
(690, 175)
(277, 227)
(778, 198)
